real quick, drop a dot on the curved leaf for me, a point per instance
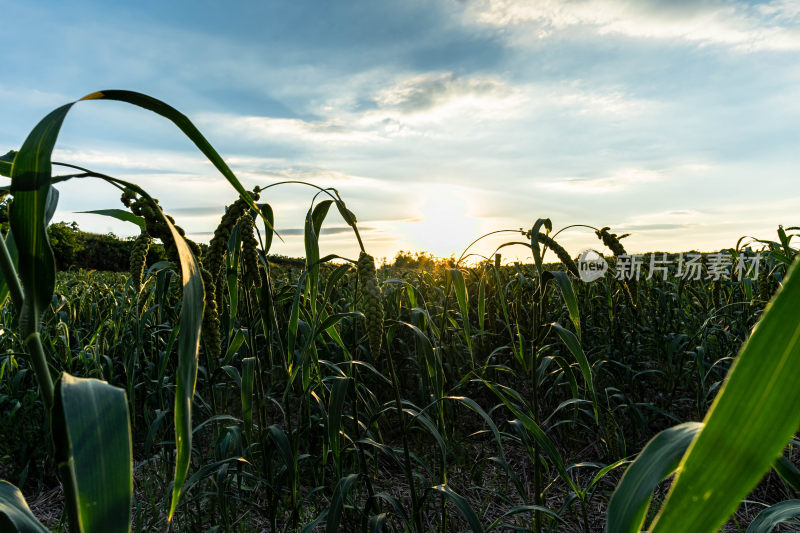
(6, 161)
(774, 515)
(184, 124)
(463, 507)
(759, 399)
(659, 458)
(119, 214)
(30, 185)
(334, 515)
(15, 515)
(575, 348)
(568, 293)
(188, 347)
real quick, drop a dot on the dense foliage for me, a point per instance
(220, 391)
(307, 422)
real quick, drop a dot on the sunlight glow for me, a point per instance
(446, 224)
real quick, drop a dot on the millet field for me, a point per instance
(225, 389)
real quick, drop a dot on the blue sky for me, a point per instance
(436, 120)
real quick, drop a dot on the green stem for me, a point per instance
(415, 511)
(39, 360)
(32, 339)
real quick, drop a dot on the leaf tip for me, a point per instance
(94, 96)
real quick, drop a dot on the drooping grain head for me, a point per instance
(249, 251)
(611, 241)
(218, 246)
(211, 325)
(138, 258)
(561, 253)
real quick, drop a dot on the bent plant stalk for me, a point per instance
(33, 341)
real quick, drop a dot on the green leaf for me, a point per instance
(248, 376)
(659, 458)
(191, 319)
(50, 205)
(788, 472)
(335, 410)
(119, 214)
(281, 440)
(9, 281)
(184, 124)
(235, 344)
(575, 348)
(568, 293)
(30, 185)
(269, 232)
(377, 523)
(188, 347)
(15, 515)
(463, 507)
(537, 253)
(463, 303)
(5, 163)
(770, 517)
(334, 515)
(94, 453)
(313, 226)
(519, 509)
(538, 434)
(347, 215)
(759, 399)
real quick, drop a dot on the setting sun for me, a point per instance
(445, 225)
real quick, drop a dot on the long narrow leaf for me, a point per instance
(770, 517)
(658, 459)
(751, 420)
(119, 214)
(463, 507)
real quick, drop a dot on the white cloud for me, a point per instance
(437, 105)
(765, 27)
(132, 159)
(327, 132)
(425, 91)
(620, 180)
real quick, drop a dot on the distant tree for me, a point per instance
(109, 252)
(421, 261)
(66, 240)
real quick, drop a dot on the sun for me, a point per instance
(445, 225)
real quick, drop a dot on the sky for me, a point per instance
(436, 120)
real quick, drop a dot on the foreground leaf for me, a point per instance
(751, 420)
(30, 184)
(188, 347)
(15, 515)
(94, 452)
(463, 507)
